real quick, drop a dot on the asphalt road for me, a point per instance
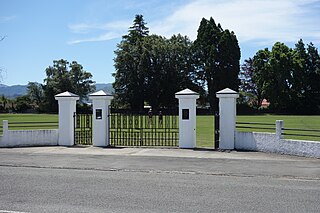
(55, 179)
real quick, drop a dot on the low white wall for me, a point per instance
(13, 138)
(269, 142)
(300, 148)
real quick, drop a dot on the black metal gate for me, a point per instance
(82, 129)
(143, 129)
(216, 129)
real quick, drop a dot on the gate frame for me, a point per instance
(135, 128)
(85, 125)
(216, 130)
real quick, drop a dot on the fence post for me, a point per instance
(5, 127)
(100, 105)
(216, 129)
(227, 107)
(67, 108)
(187, 118)
(279, 127)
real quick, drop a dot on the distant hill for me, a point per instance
(105, 87)
(20, 90)
(13, 91)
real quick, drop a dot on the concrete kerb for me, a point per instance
(153, 152)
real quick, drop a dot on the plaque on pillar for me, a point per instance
(185, 114)
(98, 114)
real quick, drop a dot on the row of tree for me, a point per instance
(18, 104)
(287, 77)
(150, 69)
(62, 76)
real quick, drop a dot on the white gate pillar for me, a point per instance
(67, 108)
(227, 110)
(100, 105)
(187, 118)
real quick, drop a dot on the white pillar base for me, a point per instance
(227, 110)
(67, 108)
(100, 104)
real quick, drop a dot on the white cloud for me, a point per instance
(104, 37)
(4, 19)
(86, 28)
(261, 22)
(251, 20)
(107, 31)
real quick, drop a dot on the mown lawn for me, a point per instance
(22, 121)
(205, 124)
(29, 117)
(311, 122)
(205, 131)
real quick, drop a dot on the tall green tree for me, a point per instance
(23, 104)
(3, 101)
(36, 95)
(248, 86)
(261, 67)
(130, 72)
(313, 75)
(63, 76)
(279, 91)
(288, 78)
(169, 68)
(150, 69)
(272, 73)
(217, 52)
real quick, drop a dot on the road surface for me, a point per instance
(87, 179)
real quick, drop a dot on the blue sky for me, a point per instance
(87, 31)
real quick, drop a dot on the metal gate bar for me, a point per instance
(143, 130)
(83, 129)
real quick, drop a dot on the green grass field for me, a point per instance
(29, 117)
(205, 135)
(205, 126)
(16, 121)
(290, 121)
(205, 131)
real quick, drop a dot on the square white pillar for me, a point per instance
(187, 118)
(67, 107)
(100, 104)
(227, 110)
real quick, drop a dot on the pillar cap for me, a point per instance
(227, 93)
(66, 95)
(100, 95)
(187, 93)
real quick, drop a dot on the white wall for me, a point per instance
(13, 138)
(300, 148)
(269, 142)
